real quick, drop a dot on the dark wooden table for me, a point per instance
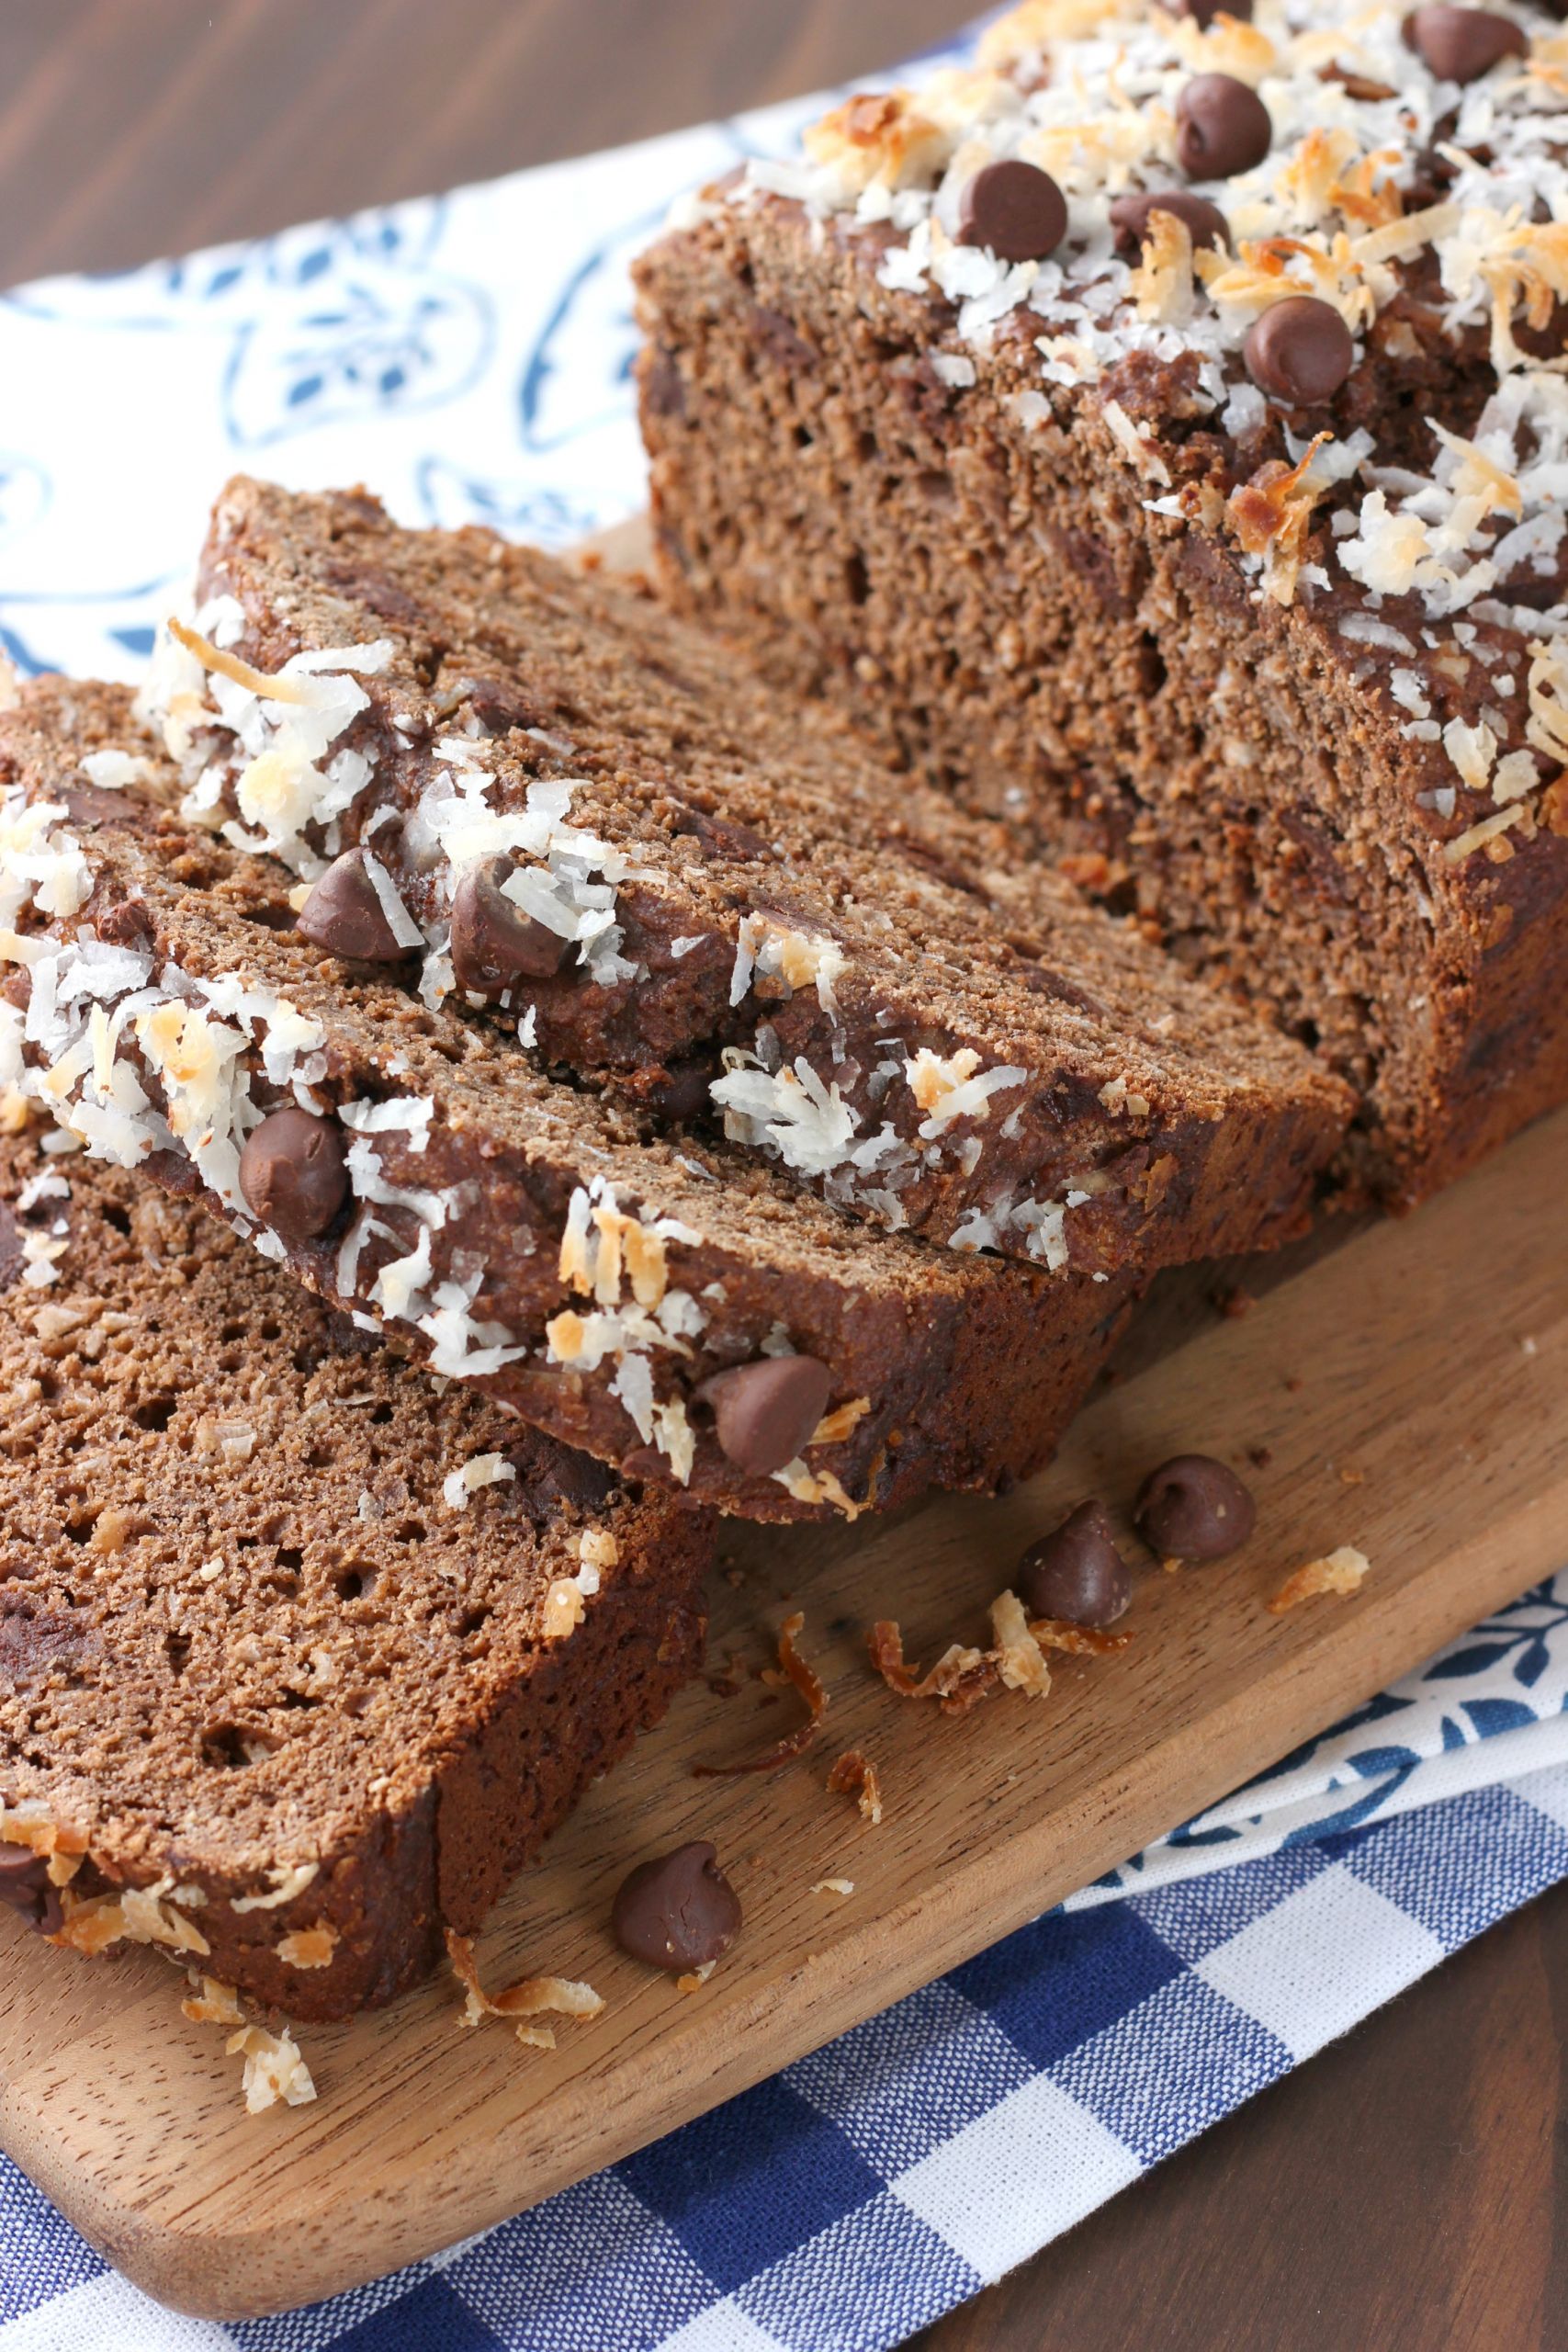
(1407, 2192)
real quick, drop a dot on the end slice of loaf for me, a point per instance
(753, 918)
(299, 1652)
(519, 1233)
(1289, 665)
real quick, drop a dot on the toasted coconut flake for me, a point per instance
(275, 2070)
(1161, 285)
(531, 1997)
(834, 1886)
(806, 1679)
(565, 1609)
(1272, 515)
(211, 2002)
(136, 1914)
(1341, 1571)
(695, 1978)
(854, 1775)
(1036, 24)
(834, 1427)
(1078, 1641)
(482, 1470)
(309, 1947)
(229, 665)
(959, 1678)
(1020, 1661)
(30, 1824)
(882, 137)
(817, 1487)
(289, 1879)
(962, 1677)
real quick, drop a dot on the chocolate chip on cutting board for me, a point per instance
(1076, 1572)
(678, 1912)
(1194, 1508)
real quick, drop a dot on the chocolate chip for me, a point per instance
(718, 836)
(1192, 1508)
(498, 708)
(1015, 209)
(766, 1411)
(1076, 1572)
(679, 1912)
(1359, 86)
(89, 804)
(1222, 128)
(1461, 44)
(778, 336)
(1205, 223)
(292, 1173)
(550, 1475)
(25, 1888)
(1299, 351)
(343, 914)
(1204, 12)
(494, 944)
(683, 1091)
(11, 1259)
(128, 924)
(663, 387)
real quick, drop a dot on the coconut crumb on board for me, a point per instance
(1341, 1571)
(963, 1676)
(275, 2070)
(839, 1886)
(275, 2073)
(798, 1671)
(853, 1774)
(530, 1997)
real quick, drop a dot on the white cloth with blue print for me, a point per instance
(468, 357)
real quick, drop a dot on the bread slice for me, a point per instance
(302, 1654)
(520, 1233)
(596, 819)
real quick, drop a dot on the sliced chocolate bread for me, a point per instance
(1158, 440)
(301, 1655)
(518, 788)
(670, 1307)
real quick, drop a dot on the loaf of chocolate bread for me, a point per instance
(670, 1307)
(301, 1655)
(1156, 438)
(595, 822)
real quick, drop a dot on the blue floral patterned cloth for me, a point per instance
(468, 356)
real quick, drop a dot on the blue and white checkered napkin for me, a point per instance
(468, 356)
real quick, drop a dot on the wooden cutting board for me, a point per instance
(1408, 1393)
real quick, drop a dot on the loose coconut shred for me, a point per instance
(532, 1996)
(275, 2070)
(962, 1677)
(1341, 1571)
(804, 1676)
(854, 1775)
